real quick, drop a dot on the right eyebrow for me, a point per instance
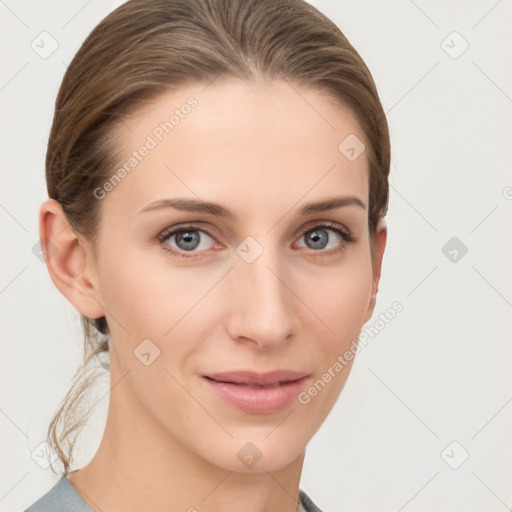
(190, 205)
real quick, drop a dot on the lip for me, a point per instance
(244, 390)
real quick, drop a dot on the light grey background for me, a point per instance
(437, 376)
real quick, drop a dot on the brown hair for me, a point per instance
(146, 47)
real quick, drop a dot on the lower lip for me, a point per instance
(257, 400)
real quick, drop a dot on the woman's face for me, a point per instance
(258, 289)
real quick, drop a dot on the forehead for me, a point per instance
(250, 143)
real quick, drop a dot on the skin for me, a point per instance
(263, 150)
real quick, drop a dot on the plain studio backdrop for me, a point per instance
(424, 421)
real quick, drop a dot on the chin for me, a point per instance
(265, 455)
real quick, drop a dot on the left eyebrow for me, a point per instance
(331, 204)
(193, 205)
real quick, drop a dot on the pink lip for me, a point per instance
(243, 389)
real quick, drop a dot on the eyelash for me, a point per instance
(167, 233)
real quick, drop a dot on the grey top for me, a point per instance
(63, 497)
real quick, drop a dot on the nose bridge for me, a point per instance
(263, 308)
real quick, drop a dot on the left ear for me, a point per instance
(380, 244)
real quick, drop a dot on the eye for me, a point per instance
(319, 238)
(187, 239)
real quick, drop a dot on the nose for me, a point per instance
(262, 303)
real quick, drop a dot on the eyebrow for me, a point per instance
(193, 205)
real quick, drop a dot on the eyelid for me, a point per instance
(319, 223)
(182, 227)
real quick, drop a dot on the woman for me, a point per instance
(217, 178)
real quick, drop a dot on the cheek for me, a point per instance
(340, 299)
(340, 305)
(155, 303)
(152, 300)
(145, 296)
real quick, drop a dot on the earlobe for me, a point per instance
(71, 269)
(380, 243)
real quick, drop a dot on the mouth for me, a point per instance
(257, 393)
(254, 379)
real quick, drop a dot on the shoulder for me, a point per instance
(307, 502)
(62, 497)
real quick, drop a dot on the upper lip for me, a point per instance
(257, 379)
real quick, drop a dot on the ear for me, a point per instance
(380, 244)
(69, 260)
